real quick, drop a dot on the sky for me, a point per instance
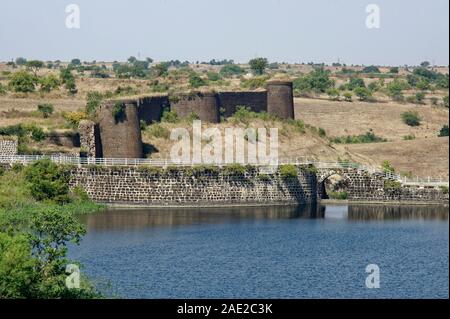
(410, 31)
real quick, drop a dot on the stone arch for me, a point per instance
(333, 181)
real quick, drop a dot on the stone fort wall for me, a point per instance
(149, 186)
(186, 187)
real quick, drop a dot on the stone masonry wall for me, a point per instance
(8, 146)
(182, 187)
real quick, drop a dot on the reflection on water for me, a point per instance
(365, 212)
(267, 252)
(173, 217)
(144, 218)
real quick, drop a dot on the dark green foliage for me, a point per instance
(258, 65)
(118, 111)
(195, 81)
(369, 137)
(445, 101)
(444, 131)
(230, 70)
(23, 82)
(337, 195)
(317, 80)
(411, 118)
(354, 83)
(46, 109)
(169, 117)
(47, 181)
(392, 185)
(371, 69)
(362, 93)
(94, 100)
(254, 83)
(237, 170)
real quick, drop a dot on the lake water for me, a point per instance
(271, 252)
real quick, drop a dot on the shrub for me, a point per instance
(45, 109)
(2, 89)
(337, 195)
(394, 70)
(158, 131)
(387, 167)
(333, 94)
(254, 83)
(317, 80)
(46, 181)
(169, 117)
(37, 133)
(94, 99)
(230, 70)
(234, 170)
(49, 83)
(392, 185)
(354, 83)
(213, 76)
(419, 97)
(288, 171)
(444, 131)
(363, 93)
(369, 137)
(411, 118)
(195, 81)
(409, 137)
(445, 101)
(74, 118)
(371, 69)
(348, 96)
(23, 82)
(444, 189)
(118, 111)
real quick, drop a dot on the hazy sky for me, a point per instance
(282, 30)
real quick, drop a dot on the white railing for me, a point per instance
(80, 161)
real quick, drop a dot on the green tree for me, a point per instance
(75, 62)
(355, 82)
(160, 69)
(371, 69)
(387, 167)
(47, 181)
(21, 61)
(231, 70)
(34, 66)
(258, 65)
(394, 70)
(22, 81)
(94, 100)
(362, 93)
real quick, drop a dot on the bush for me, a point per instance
(387, 167)
(371, 69)
(354, 83)
(254, 83)
(169, 117)
(444, 131)
(445, 101)
(45, 109)
(234, 170)
(195, 81)
(2, 89)
(49, 83)
(47, 181)
(158, 131)
(348, 96)
(231, 70)
(23, 82)
(317, 81)
(74, 118)
(363, 93)
(394, 70)
(94, 99)
(333, 94)
(369, 137)
(288, 171)
(213, 76)
(118, 111)
(337, 195)
(409, 137)
(392, 185)
(411, 118)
